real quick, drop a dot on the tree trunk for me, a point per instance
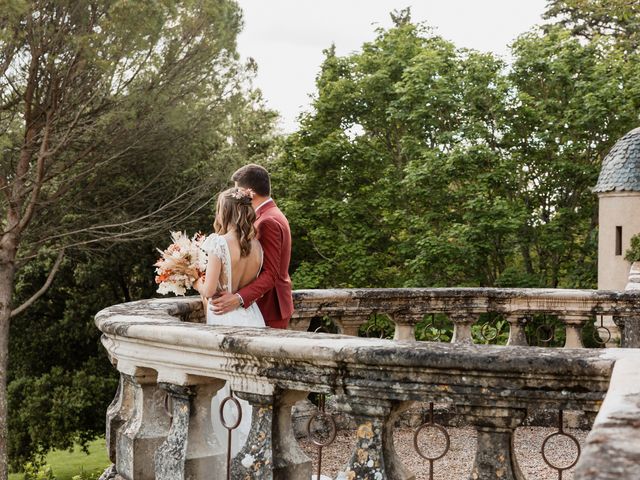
(7, 272)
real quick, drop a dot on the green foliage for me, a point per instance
(633, 252)
(434, 328)
(32, 472)
(422, 164)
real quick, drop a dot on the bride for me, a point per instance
(234, 259)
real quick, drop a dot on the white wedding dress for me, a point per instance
(240, 317)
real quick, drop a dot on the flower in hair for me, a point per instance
(242, 193)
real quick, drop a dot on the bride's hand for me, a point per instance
(197, 285)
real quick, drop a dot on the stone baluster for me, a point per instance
(405, 324)
(495, 453)
(170, 457)
(191, 449)
(517, 324)
(300, 324)
(271, 451)
(349, 324)
(146, 429)
(374, 456)
(462, 322)
(573, 328)
(120, 410)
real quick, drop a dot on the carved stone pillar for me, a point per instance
(191, 450)
(630, 331)
(462, 327)
(495, 453)
(350, 324)
(300, 324)
(140, 436)
(405, 325)
(573, 328)
(374, 456)
(169, 458)
(271, 451)
(206, 457)
(120, 410)
(289, 461)
(255, 460)
(517, 335)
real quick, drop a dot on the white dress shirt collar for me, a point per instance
(263, 204)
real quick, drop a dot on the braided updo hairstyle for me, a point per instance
(234, 211)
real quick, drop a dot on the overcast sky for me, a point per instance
(286, 37)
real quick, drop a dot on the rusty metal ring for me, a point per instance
(483, 333)
(438, 427)
(334, 430)
(558, 434)
(550, 329)
(368, 329)
(221, 412)
(596, 335)
(432, 324)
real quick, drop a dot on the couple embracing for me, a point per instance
(247, 281)
(247, 278)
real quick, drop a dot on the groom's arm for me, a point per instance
(271, 239)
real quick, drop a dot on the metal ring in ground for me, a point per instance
(437, 427)
(221, 411)
(598, 338)
(560, 434)
(329, 419)
(550, 329)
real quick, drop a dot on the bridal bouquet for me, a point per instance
(181, 264)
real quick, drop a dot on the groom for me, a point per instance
(272, 288)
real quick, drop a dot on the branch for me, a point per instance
(43, 289)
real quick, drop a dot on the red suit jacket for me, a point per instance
(272, 289)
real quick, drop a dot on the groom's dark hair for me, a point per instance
(254, 177)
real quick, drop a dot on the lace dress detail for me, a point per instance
(217, 246)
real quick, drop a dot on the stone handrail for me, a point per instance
(406, 307)
(160, 356)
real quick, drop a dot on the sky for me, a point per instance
(287, 37)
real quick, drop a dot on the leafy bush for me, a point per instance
(33, 472)
(633, 253)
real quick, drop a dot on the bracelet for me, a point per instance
(241, 299)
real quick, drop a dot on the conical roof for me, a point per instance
(621, 167)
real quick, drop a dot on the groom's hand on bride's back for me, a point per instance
(224, 303)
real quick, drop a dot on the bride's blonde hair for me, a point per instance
(234, 211)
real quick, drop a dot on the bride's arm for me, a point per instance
(209, 286)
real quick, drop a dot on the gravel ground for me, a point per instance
(456, 464)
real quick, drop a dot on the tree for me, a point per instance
(394, 174)
(132, 94)
(614, 20)
(422, 164)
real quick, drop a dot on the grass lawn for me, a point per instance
(66, 464)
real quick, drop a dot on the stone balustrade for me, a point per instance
(160, 423)
(349, 309)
